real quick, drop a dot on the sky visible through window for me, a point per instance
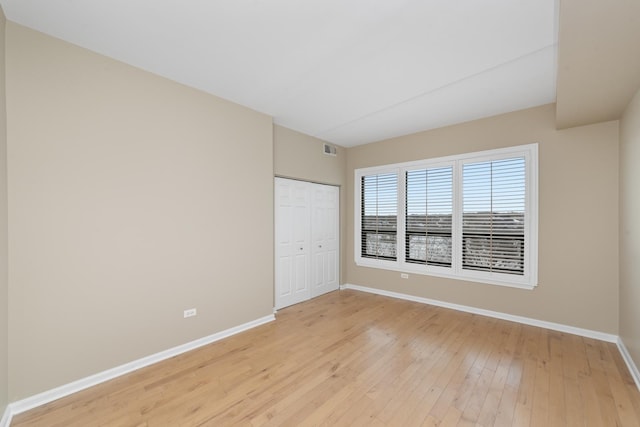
(493, 186)
(430, 191)
(380, 194)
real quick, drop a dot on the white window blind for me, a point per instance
(379, 216)
(429, 209)
(493, 221)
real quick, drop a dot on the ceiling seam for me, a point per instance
(430, 91)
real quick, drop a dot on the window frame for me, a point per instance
(528, 280)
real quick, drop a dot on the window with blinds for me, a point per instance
(471, 216)
(379, 216)
(428, 214)
(493, 216)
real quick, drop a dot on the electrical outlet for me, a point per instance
(190, 313)
(404, 276)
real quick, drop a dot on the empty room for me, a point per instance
(336, 213)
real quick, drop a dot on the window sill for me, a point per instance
(438, 272)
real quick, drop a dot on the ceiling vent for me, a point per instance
(330, 150)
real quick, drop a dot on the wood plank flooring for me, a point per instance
(354, 359)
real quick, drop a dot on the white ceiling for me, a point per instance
(346, 71)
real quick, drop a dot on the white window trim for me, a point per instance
(527, 281)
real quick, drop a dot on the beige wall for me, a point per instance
(300, 156)
(4, 307)
(129, 199)
(629, 228)
(598, 67)
(578, 218)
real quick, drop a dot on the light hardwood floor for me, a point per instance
(354, 359)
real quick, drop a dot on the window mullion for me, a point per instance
(456, 232)
(402, 209)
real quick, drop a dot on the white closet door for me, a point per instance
(324, 239)
(292, 256)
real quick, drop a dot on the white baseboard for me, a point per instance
(635, 373)
(73, 387)
(496, 314)
(6, 418)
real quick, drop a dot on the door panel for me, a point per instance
(292, 243)
(332, 267)
(284, 277)
(318, 270)
(325, 238)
